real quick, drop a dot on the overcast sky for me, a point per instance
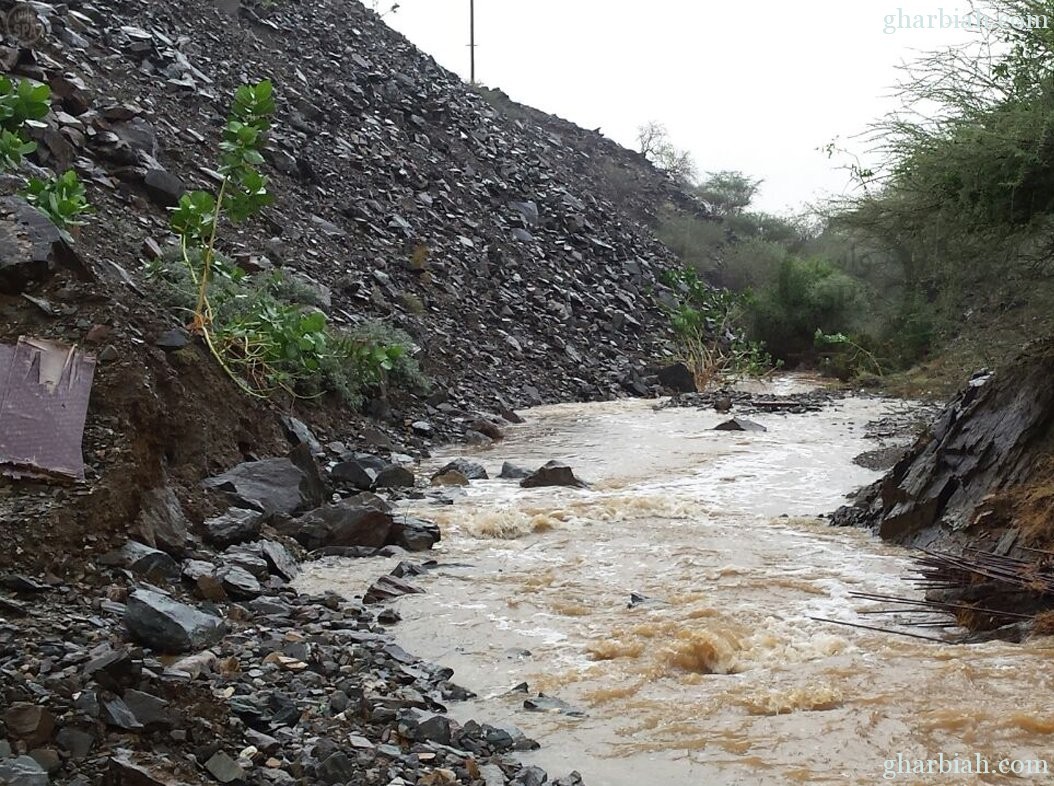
(757, 88)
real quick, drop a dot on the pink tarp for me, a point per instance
(44, 391)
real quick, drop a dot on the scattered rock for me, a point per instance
(387, 588)
(553, 473)
(739, 424)
(275, 485)
(510, 471)
(394, 476)
(678, 378)
(350, 522)
(237, 525)
(166, 625)
(450, 477)
(470, 469)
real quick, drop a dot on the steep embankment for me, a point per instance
(491, 238)
(977, 491)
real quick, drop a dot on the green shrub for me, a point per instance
(62, 198)
(707, 324)
(807, 295)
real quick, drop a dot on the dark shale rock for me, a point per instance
(237, 525)
(739, 424)
(990, 438)
(355, 473)
(678, 378)
(153, 564)
(163, 187)
(30, 246)
(276, 485)
(162, 523)
(165, 625)
(394, 476)
(553, 473)
(510, 471)
(350, 522)
(22, 771)
(470, 469)
(413, 534)
(388, 588)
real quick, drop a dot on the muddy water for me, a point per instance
(721, 677)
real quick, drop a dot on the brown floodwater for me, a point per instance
(722, 676)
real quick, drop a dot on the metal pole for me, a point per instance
(472, 40)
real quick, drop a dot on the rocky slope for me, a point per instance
(487, 233)
(512, 246)
(975, 493)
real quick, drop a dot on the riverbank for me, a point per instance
(203, 660)
(666, 612)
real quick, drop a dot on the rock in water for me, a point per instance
(739, 424)
(554, 473)
(678, 378)
(470, 469)
(510, 471)
(347, 523)
(166, 625)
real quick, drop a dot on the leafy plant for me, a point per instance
(242, 193)
(707, 324)
(857, 358)
(61, 198)
(12, 149)
(21, 101)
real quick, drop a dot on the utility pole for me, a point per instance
(472, 40)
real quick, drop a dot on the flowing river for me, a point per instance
(721, 676)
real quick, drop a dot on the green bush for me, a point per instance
(707, 324)
(807, 295)
(62, 198)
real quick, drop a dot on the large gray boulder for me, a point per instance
(553, 473)
(275, 485)
(166, 625)
(351, 522)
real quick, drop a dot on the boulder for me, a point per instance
(153, 564)
(510, 471)
(22, 771)
(275, 485)
(394, 476)
(354, 473)
(30, 246)
(678, 378)
(553, 473)
(30, 722)
(280, 561)
(450, 477)
(413, 534)
(739, 424)
(162, 523)
(166, 625)
(237, 525)
(351, 522)
(470, 469)
(388, 588)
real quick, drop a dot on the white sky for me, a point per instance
(754, 87)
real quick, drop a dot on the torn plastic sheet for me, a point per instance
(44, 391)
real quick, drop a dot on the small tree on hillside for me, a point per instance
(654, 143)
(730, 192)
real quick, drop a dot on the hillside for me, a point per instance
(497, 237)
